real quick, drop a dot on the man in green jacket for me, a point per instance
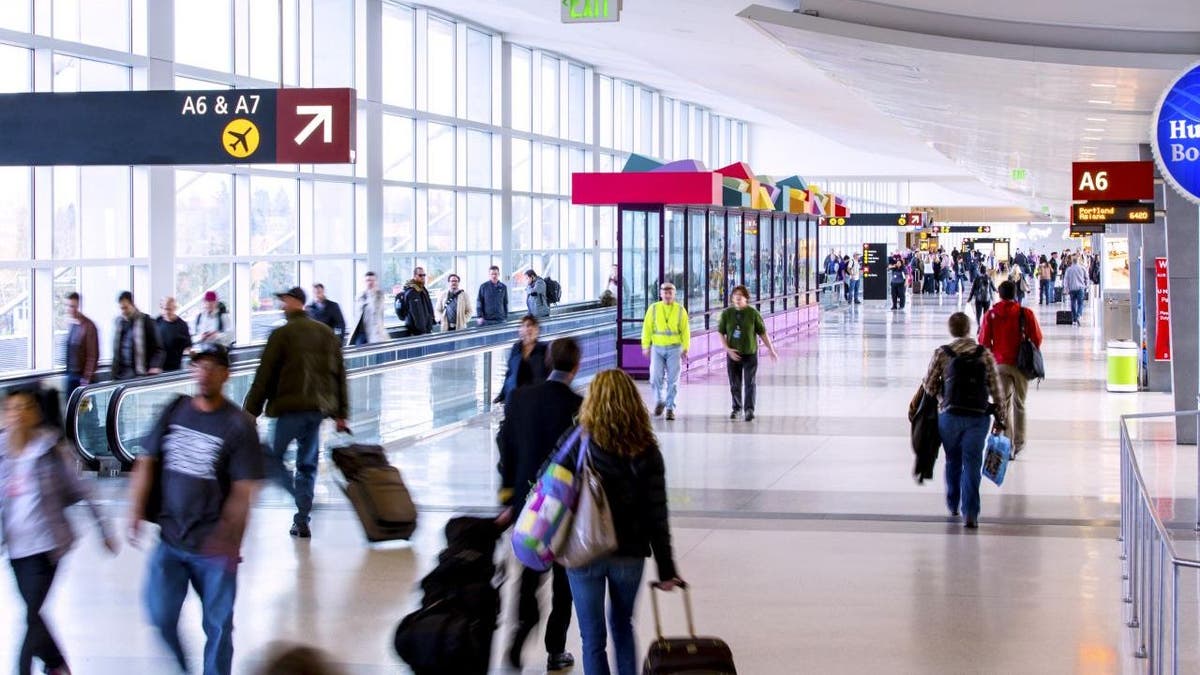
(302, 380)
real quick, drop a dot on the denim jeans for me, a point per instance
(35, 575)
(623, 578)
(1076, 305)
(305, 429)
(215, 580)
(665, 361)
(855, 290)
(1046, 291)
(963, 438)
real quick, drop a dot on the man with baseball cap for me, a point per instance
(213, 323)
(301, 379)
(211, 464)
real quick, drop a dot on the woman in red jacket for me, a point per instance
(1002, 332)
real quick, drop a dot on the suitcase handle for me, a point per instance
(687, 603)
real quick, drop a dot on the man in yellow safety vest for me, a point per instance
(666, 337)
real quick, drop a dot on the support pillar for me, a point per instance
(1153, 244)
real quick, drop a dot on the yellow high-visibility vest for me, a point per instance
(666, 326)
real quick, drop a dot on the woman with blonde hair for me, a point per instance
(625, 454)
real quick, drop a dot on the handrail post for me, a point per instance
(1198, 463)
(1174, 618)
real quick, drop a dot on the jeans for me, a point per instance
(305, 429)
(1045, 291)
(1015, 386)
(215, 580)
(528, 614)
(1076, 305)
(963, 438)
(855, 290)
(623, 579)
(981, 307)
(665, 361)
(742, 372)
(35, 574)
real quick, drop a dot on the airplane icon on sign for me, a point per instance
(241, 139)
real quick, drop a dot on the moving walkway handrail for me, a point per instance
(443, 342)
(1149, 552)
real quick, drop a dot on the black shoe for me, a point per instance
(670, 415)
(300, 530)
(971, 524)
(658, 409)
(953, 513)
(749, 415)
(734, 415)
(560, 661)
(514, 652)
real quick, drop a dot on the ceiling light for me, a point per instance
(1097, 119)
(1104, 85)
(1095, 130)
(1099, 102)
(1092, 138)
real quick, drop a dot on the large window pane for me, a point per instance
(15, 213)
(204, 33)
(203, 214)
(399, 65)
(72, 74)
(333, 217)
(522, 234)
(333, 43)
(65, 239)
(263, 29)
(15, 69)
(522, 89)
(14, 320)
(576, 102)
(273, 222)
(549, 224)
(549, 169)
(104, 23)
(16, 15)
(479, 76)
(440, 225)
(522, 169)
(440, 164)
(338, 278)
(192, 281)
(549, 95)
(606, 112)
(440, 62)
(266, 278)
(479, 222)
(398, 210)
(105, 193)
(398, 148)
(479, 159)
(100, 287)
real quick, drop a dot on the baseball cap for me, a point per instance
(294, 292)
(210, 296)
(213, 351)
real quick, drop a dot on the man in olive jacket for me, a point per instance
(302, 380)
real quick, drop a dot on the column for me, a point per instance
(160, 74)
(1153, 244)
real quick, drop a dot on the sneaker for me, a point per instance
(300, 530)
(971, 524)
(734, 415)
(658, 409)
(749, 415)
(670, 415)
(561, 661)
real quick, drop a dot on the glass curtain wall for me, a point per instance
(447, 175)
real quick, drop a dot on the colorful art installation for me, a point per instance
(644, 180)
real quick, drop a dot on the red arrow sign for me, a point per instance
(315, 126)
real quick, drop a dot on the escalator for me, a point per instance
(403, 388)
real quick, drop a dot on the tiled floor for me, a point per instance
(809, 547)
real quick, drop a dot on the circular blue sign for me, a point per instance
(1175, 134)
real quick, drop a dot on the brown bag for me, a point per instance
(593, 534)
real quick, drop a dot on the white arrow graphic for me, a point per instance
(322, 116)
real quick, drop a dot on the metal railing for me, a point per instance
(832, 294)
(1151, 563)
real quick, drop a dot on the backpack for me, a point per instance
(964, 383)
(982, 291)
(401, 306)
(553, 291)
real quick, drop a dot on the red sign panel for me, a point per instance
(315, 126)
(1112, 181)
(650, 187)
(1162, 340)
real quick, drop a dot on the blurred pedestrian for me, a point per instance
(174, 335)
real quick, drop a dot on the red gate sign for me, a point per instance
(1112, 181)
(315, 126)
(1162, 339)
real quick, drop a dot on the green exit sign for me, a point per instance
(591, 11)
(1020, 174)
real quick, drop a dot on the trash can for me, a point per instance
(1122, 365)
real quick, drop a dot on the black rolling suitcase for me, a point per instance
(377, 492)
(1064, 318)
(684, 655)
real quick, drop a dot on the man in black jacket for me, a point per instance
(414, 306)
(536, 417)
(136, 349)
(327, 312)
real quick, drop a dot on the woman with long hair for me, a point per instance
(625, 454)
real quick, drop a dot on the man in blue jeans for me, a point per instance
(301, 379)
(963, 375)
(1075, 283)
(210, 466)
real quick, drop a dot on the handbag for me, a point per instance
(545, 521)
(592, 534)
(1029, 357)
(995, 458)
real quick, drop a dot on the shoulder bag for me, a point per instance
(593, 534)
(1029, 357)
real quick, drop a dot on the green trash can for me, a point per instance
(1122, 365)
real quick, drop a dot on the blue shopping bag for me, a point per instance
(995, 457)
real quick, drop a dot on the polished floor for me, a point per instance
(809, 546)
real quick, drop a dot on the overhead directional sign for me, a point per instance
(241, 126)
(962, 229)
(1112, 181)
(1112, 213)
(868, 219)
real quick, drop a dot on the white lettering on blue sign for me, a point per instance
(1175, 134)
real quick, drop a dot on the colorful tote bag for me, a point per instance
(545, 521)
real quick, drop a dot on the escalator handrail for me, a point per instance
(118, 396)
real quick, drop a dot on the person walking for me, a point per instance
(136, 350)
(414, 306)
(854, 279)
(38, 481)
(1004, 327)
(535, 419)
(982, 292)
(962, 375)
(301, 378)
(625, 454)
(371, 303)
(82, 345)
(740, 328)
(898, 281)
(173, 334)
(328, 312)
(1045, 282)
(202, 462)
(454, 305)
(526, 360)
(1075, 283)
(535, 295)
(666, 338)
(213, 323)
(491, 303)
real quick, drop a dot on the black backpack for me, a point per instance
(553, 291)
(965, 384)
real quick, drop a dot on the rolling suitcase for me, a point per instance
(681, 655)
(1064, 318)
(377, 492)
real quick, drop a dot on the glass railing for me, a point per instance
(397, 389)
